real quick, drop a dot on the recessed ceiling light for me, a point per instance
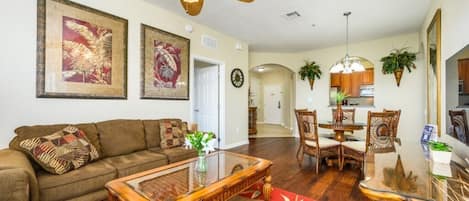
(260, 69)
(313, 25)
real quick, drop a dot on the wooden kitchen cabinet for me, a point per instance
(335, 79)
(368, 77)
(346, 83)
(356, 81)
(463, 73)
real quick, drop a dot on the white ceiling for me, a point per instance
(262, 26)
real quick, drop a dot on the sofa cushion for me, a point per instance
(100, 195)
(171, 134)
(120, 137)
(136, 162)
(152, 133)
(87, 179)
(177, 153)
(62, 151)
(26, 132)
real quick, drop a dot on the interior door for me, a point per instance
(273, 104)
(206, 101)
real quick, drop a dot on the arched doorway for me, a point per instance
(272, 94)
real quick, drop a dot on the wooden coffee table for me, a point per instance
(228, 175)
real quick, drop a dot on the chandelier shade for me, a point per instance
(347, 64)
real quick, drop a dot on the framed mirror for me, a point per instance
(457, 95)
(433, 71)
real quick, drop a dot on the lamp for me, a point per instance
(192, 7)
(347, 64)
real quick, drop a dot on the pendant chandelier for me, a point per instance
(193, 7)
(347, 64)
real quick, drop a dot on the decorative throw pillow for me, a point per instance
(62, 151)
(171, 134)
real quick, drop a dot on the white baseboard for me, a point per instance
(233, 145)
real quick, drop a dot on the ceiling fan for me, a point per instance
(193, 7)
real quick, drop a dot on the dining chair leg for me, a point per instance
(300, 158)
(318, 162)
(298, 152)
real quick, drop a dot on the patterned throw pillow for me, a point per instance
(171, 134)
(62, 151)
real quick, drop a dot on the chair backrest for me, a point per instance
(459, 122)
(349, 115)
(298, 122)
(308, 127)
(397, 116)
(379, 131)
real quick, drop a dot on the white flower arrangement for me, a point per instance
(200, 141)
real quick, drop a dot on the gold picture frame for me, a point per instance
(165, 64)
(434, 71)
(81, 52)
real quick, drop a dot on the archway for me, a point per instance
(272, 96)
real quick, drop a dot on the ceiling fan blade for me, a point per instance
(192, 7)
(246, 1)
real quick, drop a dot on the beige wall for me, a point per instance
(19, 106)
(387, 94)
(454, 37)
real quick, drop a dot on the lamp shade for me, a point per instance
(192, 7)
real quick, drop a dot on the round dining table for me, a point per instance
(340, 128)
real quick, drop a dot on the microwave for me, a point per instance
(367, 90)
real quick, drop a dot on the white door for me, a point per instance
(273, 104)
(206, 99)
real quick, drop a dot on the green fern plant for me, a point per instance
(399, 59)
(310, 70)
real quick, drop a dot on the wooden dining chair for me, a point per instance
(397, 116)
(379, 137)
(298, 122)
(458, 120)
(312, 144)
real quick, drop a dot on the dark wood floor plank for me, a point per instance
(329, 185)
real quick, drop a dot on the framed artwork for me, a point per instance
(165, 65)
(81, 52)
(434, 71)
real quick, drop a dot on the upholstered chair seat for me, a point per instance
(355, 145)
(323, 142)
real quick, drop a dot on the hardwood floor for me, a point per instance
(329, 185)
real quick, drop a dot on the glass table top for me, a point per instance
(182, 180)
(408, 172)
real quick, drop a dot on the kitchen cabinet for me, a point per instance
(346, 83)
(463, 73)
(356, 81)
(368, 77)
(335, 79)
(350, 83)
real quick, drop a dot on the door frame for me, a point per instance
(221, 94)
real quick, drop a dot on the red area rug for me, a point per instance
(278, 194)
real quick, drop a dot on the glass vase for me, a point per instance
(201, 164)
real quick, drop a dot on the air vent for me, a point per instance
(291, 15)
(209, 41)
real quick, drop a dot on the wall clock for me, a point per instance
(237, 77)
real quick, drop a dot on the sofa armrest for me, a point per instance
(14, 185)
(15, 162)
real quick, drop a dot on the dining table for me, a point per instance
(407, 173)
(339, 128)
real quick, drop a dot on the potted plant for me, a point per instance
(440, 152)
(339, 98)
(396, 61)
(310, 70)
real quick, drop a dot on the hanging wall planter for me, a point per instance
(397, 61)
(310, 70)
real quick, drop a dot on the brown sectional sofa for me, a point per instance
(125, 147)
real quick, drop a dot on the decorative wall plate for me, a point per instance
(237, 77)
